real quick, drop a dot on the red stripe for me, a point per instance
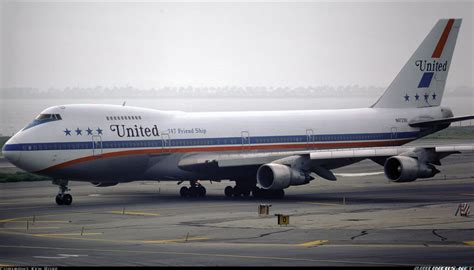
(442, 40)
(224, 148)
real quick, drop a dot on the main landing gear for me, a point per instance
(195, 190)
(238, 191)
(63, 198)
(244, 191)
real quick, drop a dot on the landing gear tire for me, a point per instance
(62, 198)
(59, 200)
(184, 191)
(201, 191)
(195, 190)
(237, 192)
(65, 199)
(229, 191)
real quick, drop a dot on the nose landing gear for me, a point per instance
(63, 198)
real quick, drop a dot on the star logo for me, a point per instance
(407, 97)
(89, 131)
(434, 96)
(417, 97)
(68, 132)
(78, 132)
(99, 131)
(426, 96)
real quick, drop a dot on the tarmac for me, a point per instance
(360, 220)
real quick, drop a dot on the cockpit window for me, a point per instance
(43, 118)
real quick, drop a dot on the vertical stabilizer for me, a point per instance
(421, 81)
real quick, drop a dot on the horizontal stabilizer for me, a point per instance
(435, 122)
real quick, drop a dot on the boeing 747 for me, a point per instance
(264, 152)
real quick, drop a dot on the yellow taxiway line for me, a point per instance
(312, 243)
(36, 221)
(324, 204)
(33, 228)
(182, 240)
(64, 234)
(469, 243)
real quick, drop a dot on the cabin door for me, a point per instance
(245, 140)
(96, 145)
(165, 142)
(309, 138)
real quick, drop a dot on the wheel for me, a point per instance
(201, 191)
(193, 192)
(67, 199)
(59, 200)
(184, 191)
(228, 191)
(237, 191)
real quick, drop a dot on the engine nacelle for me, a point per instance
(277, 176)
(106, 184)
(407, 169)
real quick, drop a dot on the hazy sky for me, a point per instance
(154, 44)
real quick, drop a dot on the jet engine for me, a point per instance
(277, 176)
(407, 169)
(106, 184)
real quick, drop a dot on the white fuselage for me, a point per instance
(121, 143)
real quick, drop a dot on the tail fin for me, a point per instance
(421, 81)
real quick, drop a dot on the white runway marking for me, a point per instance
(61, 256)
(73, 255)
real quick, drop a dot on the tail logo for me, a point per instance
(429, 68)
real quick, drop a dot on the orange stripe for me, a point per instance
(442, 41)
(223, 148)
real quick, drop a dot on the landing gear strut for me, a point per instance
(63, 198)
(195, 190)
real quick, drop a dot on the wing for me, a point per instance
(416, 161)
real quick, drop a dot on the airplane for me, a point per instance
(263, 152)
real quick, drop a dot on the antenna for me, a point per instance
(125, 102)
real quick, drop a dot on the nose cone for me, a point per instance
(9, 153)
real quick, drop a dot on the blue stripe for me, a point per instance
(425, 80)
(208, 141)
